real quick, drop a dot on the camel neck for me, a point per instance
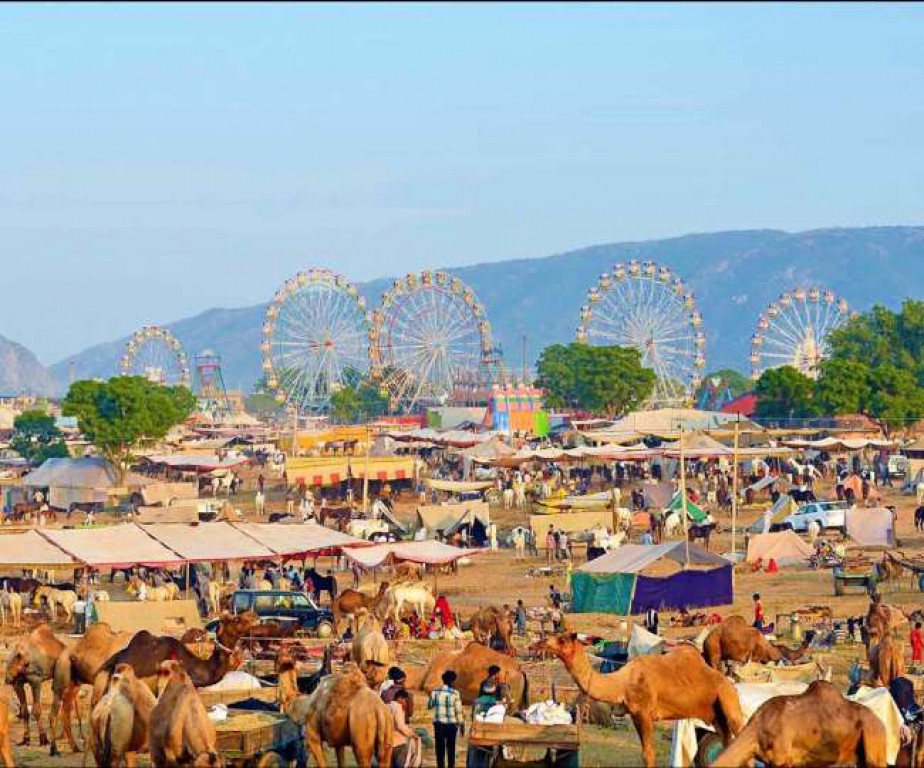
(590, 682)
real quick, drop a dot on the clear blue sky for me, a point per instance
(161, 159)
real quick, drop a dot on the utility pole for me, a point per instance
(735, 494)
(683, 500)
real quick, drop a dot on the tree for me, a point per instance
(36, 438)
(358, 400)
(843, 386)
(606, 380)
(735, 381)
(785, 393)
(125, 412)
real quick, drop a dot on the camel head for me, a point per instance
(565, 646)
(170, 671)
(232, 628)
(17, 666)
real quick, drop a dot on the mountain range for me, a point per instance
(734, 275)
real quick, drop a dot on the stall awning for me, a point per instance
(383, 468)
(320, 471)
(117, 546)
(421, 552)
(30, 550)
(295, 539)
(208, 542)
(632, 558)
(198, 462)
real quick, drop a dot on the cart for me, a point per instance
(260, 740)
(845, 579)
(487, 741)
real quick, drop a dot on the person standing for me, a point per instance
(259, 503)
(652, 620)
(406, 751)
(520, 618)
(758, 612)
(519, 543)
(550, 547)
(448, 720)
(917, 646)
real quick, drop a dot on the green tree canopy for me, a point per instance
(736, 382)
(358, 400)
(125, 412)
(785, 393)
(36, 438)
(605, 380)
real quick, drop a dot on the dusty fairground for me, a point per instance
(497, 578)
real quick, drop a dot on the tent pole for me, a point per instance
(366, 470)
(735, 496)
(683, 501)
(187, 579)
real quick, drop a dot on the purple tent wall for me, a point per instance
(686, 589)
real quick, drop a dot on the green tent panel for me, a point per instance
(602, 592)
(541, 424)
(696, 514)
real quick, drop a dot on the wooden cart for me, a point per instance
(487, 740)
(848, 578)
(260, 740)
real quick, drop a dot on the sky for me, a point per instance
(157, 160)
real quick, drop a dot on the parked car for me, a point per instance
(279, 605)
(828, 515)
(898, 465)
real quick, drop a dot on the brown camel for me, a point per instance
(6, 742)
(886, 660)
(351, 601)
(344, 712)
(735, 640)
(119, 722)
(145, 652)
(471, 667)
(882, 619)
(31, 664)
(492, 622)
(651, 689)
(181, 732)
(816, 728)
(371, 652)
(78, 666)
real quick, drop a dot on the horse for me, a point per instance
(56, 598)
(321, 584)
(703, 532)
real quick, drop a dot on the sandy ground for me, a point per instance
(496, 578)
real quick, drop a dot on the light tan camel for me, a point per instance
(6, 741)
(886, 660)
(882, 619)
(471, 667)
(651, 689)
(120, 720)
(181, 732)
(371, 652)
(31, 664)
(344, 712)
(735, 640)
(351, 601)
(488, 622)
(816, 728)
(78, 666)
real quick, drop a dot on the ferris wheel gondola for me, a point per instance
(646, 306)
(157, 355)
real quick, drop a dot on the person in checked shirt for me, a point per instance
(448, 718)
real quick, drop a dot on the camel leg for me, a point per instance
(313, 741)
(341, 754)
(20, 690)
(37, 712)
(362, 753)
(68, 709)
(872, 750)
(6, 751)
(645, 730)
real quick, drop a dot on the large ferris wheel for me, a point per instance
(315, 339)
(156, 354)
(646, 306)
(794, 330)
(429, 334)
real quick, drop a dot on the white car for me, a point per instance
(828, 514)
(898, 465)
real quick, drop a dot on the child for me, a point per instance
(917, 646)
(758, 612)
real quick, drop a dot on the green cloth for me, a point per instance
(602, 592)
(695, 513)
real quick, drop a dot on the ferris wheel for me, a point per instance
(429, 334)
(315, 339)
(794, 330)
(156, 354)
(646, 306)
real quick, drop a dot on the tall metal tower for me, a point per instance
(210, 386)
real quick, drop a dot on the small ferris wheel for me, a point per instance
(429, 335)
(794, 330)
(157, 355)
(646, 306)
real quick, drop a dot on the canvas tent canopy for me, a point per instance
(117, 546)
(458, 486)
(449, 518)
(31, 550)
(784, 547)
(694, 512)
(298, 540)
(697, 446)
(196, 462)
(870, 526)
(421, 552)
(89, 479)
(208, 542)
(636, 577)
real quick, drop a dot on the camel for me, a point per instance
(6, 742)
(344, 712)
(181, 732)
(56, 598)
(735, 640)
(886, 660)
(119, 722)
(471, 665)
(163, 594)
(350, 601)
(651, 689)
(145, 652)
(32, 663)
(370, 651)
(408, 572)
(818, 727)
(882, 619)
(78, 666)
(490, 622)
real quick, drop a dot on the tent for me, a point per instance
(30, 550)
(693, 511)
(116, 546)
(637, 577)
(196, 462)
(458, 486)
(870, 527)
(785, 547)
(422, 552)
(449, 518)
(208, 542)
(697, 446)
(89, 479)
(297, 540)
